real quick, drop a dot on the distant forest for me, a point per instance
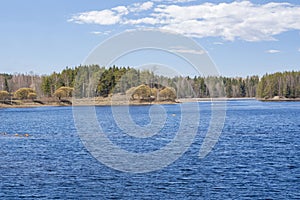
(93, 80)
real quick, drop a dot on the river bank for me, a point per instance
(278, 99)
(120, 101)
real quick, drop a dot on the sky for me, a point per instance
(242, 38)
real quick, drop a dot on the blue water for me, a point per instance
(257, 156)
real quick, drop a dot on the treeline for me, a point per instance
(93, 80)
(286, 84)
(11, 83)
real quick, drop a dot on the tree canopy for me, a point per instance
(24, 93)
(63, 92)
(168, 93)
(286, 84)
(3, 95)
(94, 81)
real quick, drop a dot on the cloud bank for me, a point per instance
(236, 20)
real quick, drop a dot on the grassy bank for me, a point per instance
(119, 101)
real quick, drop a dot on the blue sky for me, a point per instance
(242, 37)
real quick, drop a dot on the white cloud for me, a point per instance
(139, 7)
(230, 21)
(179, 49)
(101, 33)
(104, 17)
(121, 9)
(146, 20)
(181, 1)
(273, 51)
(96, 32)
(218, 43)
(146, 5)
(173, 1)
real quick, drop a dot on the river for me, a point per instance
(257, 155)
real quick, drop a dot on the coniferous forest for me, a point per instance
(93, 80)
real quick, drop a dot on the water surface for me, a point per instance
(256, 157)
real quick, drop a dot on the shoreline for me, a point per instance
(109, 102)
